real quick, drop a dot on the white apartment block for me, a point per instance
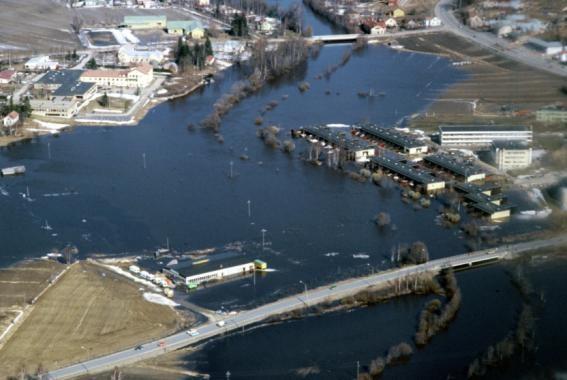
(482, 135)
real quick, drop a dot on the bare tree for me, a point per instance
(76, 24)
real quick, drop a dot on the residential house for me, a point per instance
(139, 76)
(398, 13)
(11, 119)
(203, 3)
(7, 76)
(391, 23)
(379, 28)
(433, 22)
(476, 22)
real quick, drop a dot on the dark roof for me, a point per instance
(461, 168)
(392, 136)
(475, 188)
(337, 136)
(405, 170)
(511, 145)
(491, 208)
(483, 198)
(68, 81)
(483, 128)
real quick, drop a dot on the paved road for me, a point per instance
(315, 296)
(443, 10)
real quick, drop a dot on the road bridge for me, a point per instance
(308, 298)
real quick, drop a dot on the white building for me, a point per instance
(139, 76)
(433, 22)
(545, 47)
(42, 62)
(128, 54)
(220, 274)
(508, 155)
(482, 135)
(11, 119)
(55, 107)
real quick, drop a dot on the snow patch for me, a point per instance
(159, 299)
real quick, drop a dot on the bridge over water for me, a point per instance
(308, 298)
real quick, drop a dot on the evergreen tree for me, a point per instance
(239, 26)
(91, 64)
(208, 47)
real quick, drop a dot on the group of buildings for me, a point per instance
(60, 93)
(507, 19)
(409, 157)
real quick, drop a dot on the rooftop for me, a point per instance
(392, 136)
(475, 188)
(406, 170)
(491, 208)
(461, 168)
(337, 136)
(482, 198)
(483, 128)
(7, 74)
(68, 81)
(188, 25)
(144, 19)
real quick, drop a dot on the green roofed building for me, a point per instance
(186, 27)
(145, 22)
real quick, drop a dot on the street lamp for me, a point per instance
(305, 285)
(264, 237)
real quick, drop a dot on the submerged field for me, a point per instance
(89, 312)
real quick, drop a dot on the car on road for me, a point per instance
(220, 323)
(192, 332)
(138, 347)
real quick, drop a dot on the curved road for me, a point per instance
(443, 10)
(312, 297)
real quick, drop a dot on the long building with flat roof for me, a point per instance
(468, 172)
(357, 149)
(482, 135)
(419, 177)
(400, 140)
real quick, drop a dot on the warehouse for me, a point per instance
(494, 211)
(197, 274)
(468, 172)
(400, 140)
(66, 83)
(509, 155)
(186, 28)
(145, 22)
(481, 135)
(419, 177)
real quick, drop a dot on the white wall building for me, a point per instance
(219, 274)
(55, 107)
(128, 54)
(508, 155)
(139, 76)
(482, 135)
(42, 62)
(11, 119)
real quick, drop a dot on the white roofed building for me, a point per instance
(128, 54)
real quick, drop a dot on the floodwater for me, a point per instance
(124, 190)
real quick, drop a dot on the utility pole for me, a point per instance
(231, 164)
(49, 150)
(227, 375)
(306, 297)
(249, 210)
(357, 369)
(144, 159)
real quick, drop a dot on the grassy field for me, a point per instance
(497, 90)
(88, 313)
(45, 25)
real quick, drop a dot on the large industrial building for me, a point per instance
(145, 22)
(482, 135)
(66, 84)
(191, 28)
(509, 155)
